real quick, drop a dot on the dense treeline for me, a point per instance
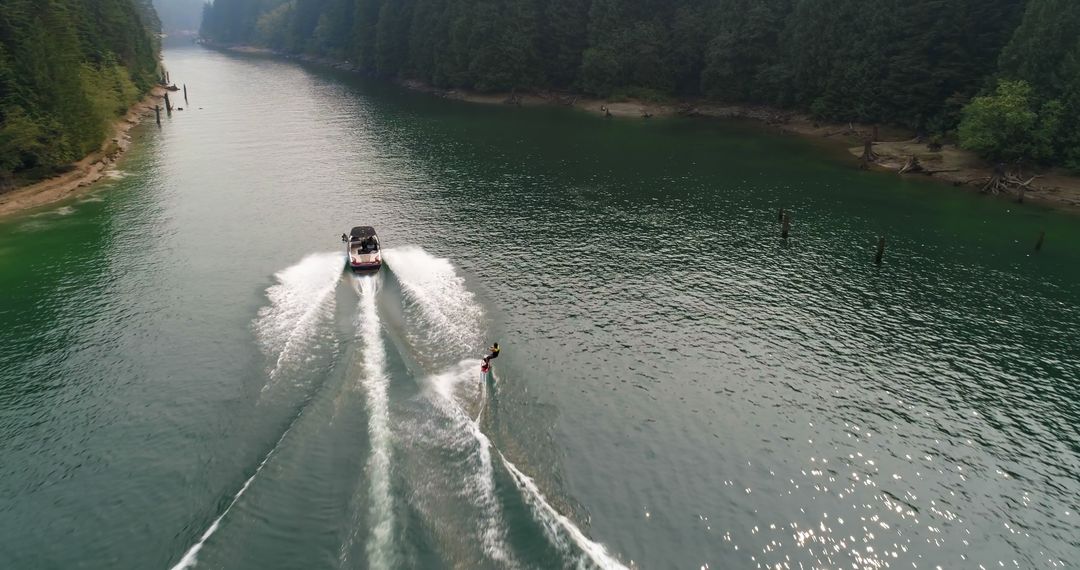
(1034, 112)
(915, 63)
(67, 69)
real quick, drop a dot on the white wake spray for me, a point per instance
(380, 548)
(480, 484)
(558, 527)
(452, 314)
(302, 295)
(449, 310)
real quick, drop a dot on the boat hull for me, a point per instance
(360, 267)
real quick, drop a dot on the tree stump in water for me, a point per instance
(868, 154)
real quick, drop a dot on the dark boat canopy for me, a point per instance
(362, 232)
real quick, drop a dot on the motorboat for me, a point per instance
(362, 249)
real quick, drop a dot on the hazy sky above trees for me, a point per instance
(179, 15)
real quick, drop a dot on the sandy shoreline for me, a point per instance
(957, 167)
(86, 171)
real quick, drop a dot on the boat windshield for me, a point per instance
(368, 245)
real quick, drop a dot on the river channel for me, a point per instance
(189, 378)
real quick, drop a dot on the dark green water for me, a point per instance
(188, 377)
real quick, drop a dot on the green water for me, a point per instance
(188, 377)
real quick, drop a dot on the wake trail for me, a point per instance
(559, 529)
(449, 309)
(481, 484)
(297, 300)
(556, 525)
(302, 295)
(380, 550)
(190, 557)
(454, 318)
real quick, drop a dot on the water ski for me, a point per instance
(484, 367)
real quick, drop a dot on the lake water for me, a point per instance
(188, 378)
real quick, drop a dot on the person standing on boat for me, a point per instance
(493, 354)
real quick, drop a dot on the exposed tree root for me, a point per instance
(1004, 182)
(912, 165)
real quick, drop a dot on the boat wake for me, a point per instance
(190, 557)
(437, 296)
(442, 313)
(560, 530)
(452, 316)
(375, 381)
(480, 483)
(302, 296)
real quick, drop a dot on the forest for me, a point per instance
(1000, 76)
(68, 68)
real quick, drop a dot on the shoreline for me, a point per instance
(85, 172)
(951, 165)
